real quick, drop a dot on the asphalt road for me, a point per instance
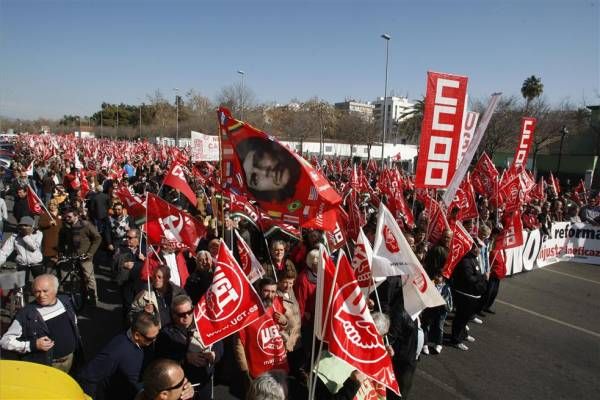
(543, 342)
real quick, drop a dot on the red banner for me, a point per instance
(33, 202)
(484, 176)
(174, 223)
(351, 332)
(285, 185)
(441, 130)
(230, 304)
(459, 246)
(512, 234)
(522, 152)
(176, 179)
(263, 344)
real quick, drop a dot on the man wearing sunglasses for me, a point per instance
(180, 342)
(164, 379)
(116, 369)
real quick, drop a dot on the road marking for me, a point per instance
(442, 385)
(578, 328)
(570, 275)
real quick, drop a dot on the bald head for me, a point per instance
(161, 378)
(44, 289)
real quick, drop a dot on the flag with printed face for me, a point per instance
(459, 246)
(248, 261)
(230, 303)
(284, 184)
(176, 179)
(349, 328)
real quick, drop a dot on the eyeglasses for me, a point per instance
(185, 314)
(131, 237)
(180, 384)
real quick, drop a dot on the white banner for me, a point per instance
(566, 242)
(204, 147)
(465, 162)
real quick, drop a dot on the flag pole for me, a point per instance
(147, 245)
(329, 301)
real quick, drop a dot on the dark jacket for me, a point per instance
(434, 260)
(197, 284)
(402, 335)
(81, 238)
(173, 343)
(21, 209)
(467, 277)
(115, 372)
(32, 327)
(98, 206)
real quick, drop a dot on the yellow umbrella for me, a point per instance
(25, 380)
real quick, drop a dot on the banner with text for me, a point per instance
(567, 242)
(441, 129)
(204, 147)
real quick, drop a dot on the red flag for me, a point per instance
(459, 246)
(230, 304)
(33, 201)
(285, 185)
(538, 191)
(512, 234)
(509, 194)
(176, 179)
(554, 184)
(175, 224)
(465, 201)
(355, 218)
(263, 344)
(437, 220)
(239, 206)
(484, 176)
(269, 226)
(522, 152)
(134, 204)
(441, 129)
(336, 239)
(85, 186)
(349, 327)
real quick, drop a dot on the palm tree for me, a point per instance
(532, 88)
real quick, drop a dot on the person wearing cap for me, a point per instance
(27, 244)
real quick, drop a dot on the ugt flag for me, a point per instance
(348, 326)
(230, 303)
(285, 185)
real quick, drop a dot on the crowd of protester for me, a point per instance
(159, 352)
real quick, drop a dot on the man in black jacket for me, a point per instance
(469, 285)
(116, 371)
(180, 341)
(45, 331)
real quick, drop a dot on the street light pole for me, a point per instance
(176, 117)
(117, 127)
(242, 73)
(387, 46)
(563, 132)
(140, 122)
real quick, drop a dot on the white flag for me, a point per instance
(362, 264)
(248, 261)
(392, 255)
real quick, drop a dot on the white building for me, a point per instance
(396, 108)
(364, 109)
